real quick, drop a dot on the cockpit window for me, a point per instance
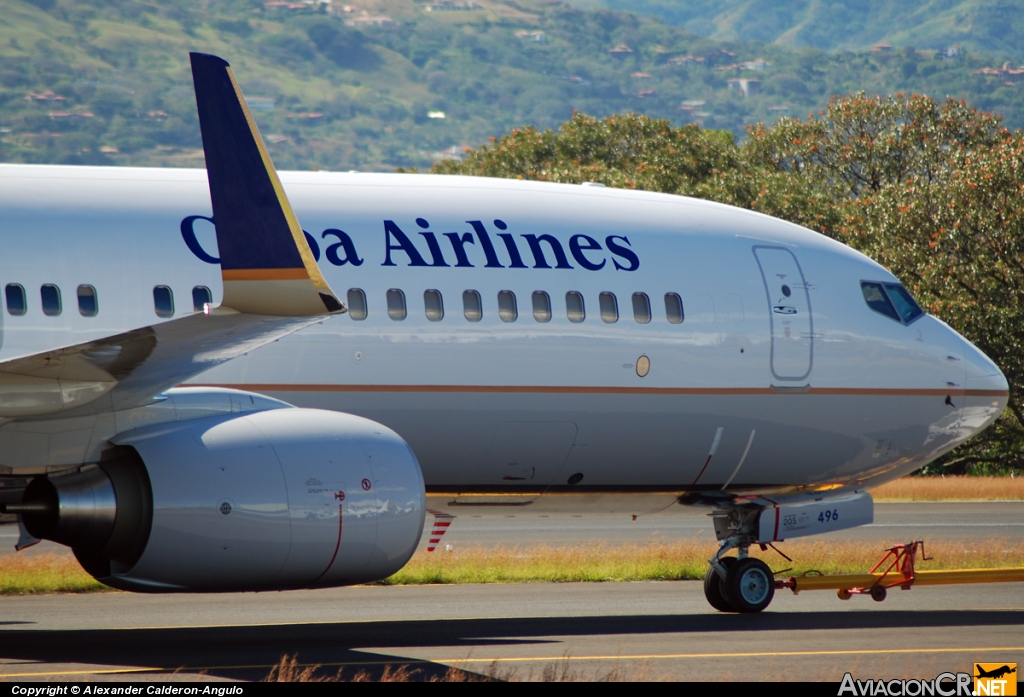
(905, 304)
(891, 300)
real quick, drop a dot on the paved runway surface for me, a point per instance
(635, 630)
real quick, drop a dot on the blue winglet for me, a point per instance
(266, 263)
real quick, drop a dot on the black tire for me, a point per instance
(878, 593)
(714, 586)
(750, 585)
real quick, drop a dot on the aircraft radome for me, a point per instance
(458, 334)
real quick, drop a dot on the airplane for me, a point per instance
(995, 673)
(241, 402)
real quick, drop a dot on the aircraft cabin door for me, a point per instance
(789, 310)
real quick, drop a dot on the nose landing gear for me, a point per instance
(748, 586)
(738, 584)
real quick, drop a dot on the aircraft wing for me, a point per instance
(272, 284)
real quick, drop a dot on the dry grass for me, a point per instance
(658, 561)
(22, 574)
(653, 561)
(951, 489)
(288, 669)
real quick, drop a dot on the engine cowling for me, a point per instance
(285, 498)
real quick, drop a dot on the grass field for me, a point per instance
(595, 562)
(951, 489)
(685, 559)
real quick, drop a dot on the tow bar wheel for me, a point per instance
(749, 585)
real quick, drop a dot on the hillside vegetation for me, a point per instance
(986, 26)
(407, 82)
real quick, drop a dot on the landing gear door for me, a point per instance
(789, 310)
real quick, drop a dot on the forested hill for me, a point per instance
(986, 26)
(406, 82)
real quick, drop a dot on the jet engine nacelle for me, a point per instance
(285, 498)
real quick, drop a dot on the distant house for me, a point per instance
(260, 103)
(646, 93)
(640, 76)
(368, 20)
(453, 6)
(536, 36)
(954, 52)
(1009, 74)
(436, 115)
(686, 60)
(759, 64)
(284, 6)
(881, 48)
(692, 104)
(746, 86)
(620, 51)
(71, 114)
(44, 96)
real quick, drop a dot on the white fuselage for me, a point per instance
(759, 388)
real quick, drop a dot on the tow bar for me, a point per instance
(896, 568)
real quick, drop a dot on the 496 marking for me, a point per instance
(827, 516)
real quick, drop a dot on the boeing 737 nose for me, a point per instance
(986, 389)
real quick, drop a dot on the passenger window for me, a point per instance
(356, 304)
(433, 305)
(163, 301)
(472, 306)
(50, 295)
(878, 301)
(574, 307)
(507, 306)
(201, 297)
(641, 308)
(541, 306)
(396, 304)
(88, 303)
(609, 307)
(17, 303)
(673, 308)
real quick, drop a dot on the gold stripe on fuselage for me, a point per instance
(265, 274)
(570, 389)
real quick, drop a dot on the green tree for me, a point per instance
(628, 151)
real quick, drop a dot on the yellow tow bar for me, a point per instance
(896, 569)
